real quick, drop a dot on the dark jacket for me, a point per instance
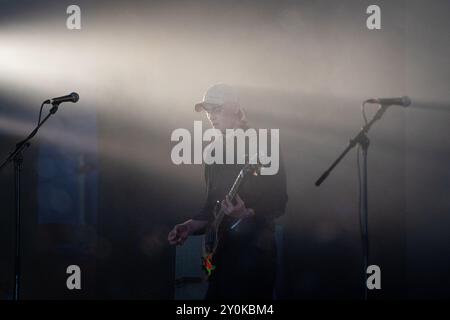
(245, 259)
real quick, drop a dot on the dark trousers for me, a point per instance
(245, 269)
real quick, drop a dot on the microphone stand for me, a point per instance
(363, 140)
(17, 157)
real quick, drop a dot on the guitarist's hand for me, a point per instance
(237, 211)
(179, 234)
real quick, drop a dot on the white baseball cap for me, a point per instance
(218, 94)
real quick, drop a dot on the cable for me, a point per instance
(25, 142)
(40, 111)
(33, 133)
(363, 112)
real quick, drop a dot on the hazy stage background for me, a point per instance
(99, 186)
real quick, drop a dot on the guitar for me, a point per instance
(214, 231)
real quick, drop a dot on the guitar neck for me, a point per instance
(231, 194)
(234, 189)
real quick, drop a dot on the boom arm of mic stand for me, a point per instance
(24, 143)
(359, 138)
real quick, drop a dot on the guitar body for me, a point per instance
(211, 240)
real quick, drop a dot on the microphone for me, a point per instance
(402, 101)
(73, 97)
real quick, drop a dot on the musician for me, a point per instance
(245, 260)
